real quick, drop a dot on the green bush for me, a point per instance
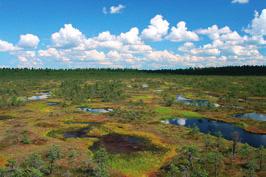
(130, 115)
(108, 91)
(72, 91)
(53, 154)
(9, 98)
(168, 100)
(25, 139)
(100, 158)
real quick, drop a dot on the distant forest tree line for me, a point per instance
(226, 70)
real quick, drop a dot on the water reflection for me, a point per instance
(226, 129)
(181, 122)
(191, 102)
(92, 110)
(40, 96)
(254, 116)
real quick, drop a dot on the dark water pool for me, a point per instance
(226, 129)
(80, 133)
(253, 115)
(52, 103)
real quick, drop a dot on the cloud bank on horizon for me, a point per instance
(211, 46)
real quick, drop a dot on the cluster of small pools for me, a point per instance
(46, 95)
(204, 125)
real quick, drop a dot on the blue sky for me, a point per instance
(149, 34)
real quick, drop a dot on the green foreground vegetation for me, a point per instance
(37, 139)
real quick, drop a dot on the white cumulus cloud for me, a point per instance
(131, 37)
(157, 29)
(214, 31)
(180, 33)
(6, 46)
(258, 24)
(28, 41)
(68, 36)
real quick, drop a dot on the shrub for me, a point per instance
(72, 91)
(53, 155)
(9, 98)
(34, 161)
(25, 139)
(108, 91)
(168, 100)
(130, 115)
(100, 158)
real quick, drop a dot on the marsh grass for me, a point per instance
(135, 164)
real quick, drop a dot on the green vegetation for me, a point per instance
(25, 138)
(131, 115)
(100, 158)
(9, 98)
(168, 100)
(77, 92)
(33, 166)
(108, 91)
(72, 91)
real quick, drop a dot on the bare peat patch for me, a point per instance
(118, 143)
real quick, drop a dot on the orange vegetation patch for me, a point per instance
(2, 162)
(46, 125)
(254, 129)
(117, 174)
